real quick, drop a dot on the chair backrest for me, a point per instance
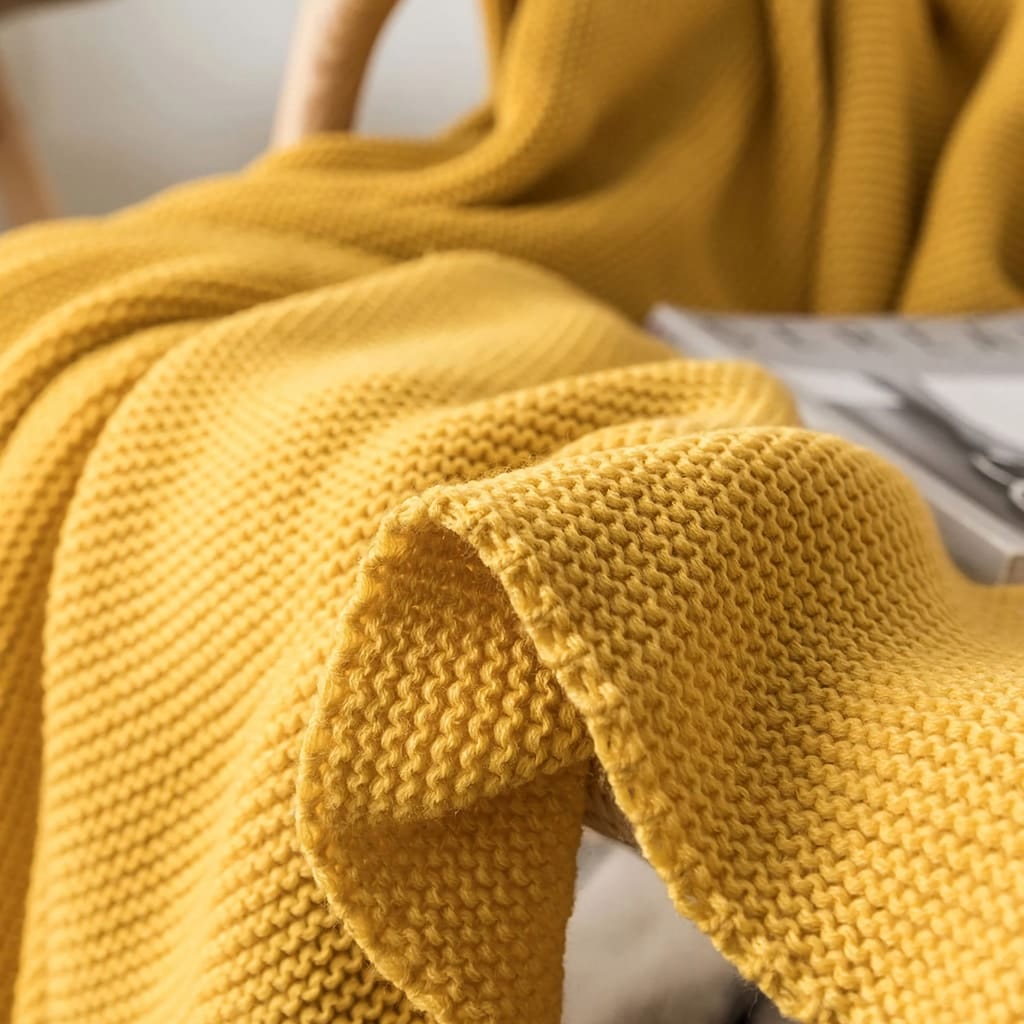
(332, 45)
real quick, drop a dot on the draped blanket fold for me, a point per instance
(346, 518)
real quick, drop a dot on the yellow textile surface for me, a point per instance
(329, 559)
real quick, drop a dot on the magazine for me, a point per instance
(940, 398)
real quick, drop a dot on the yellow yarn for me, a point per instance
(327, 566)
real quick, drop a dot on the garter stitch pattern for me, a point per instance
(334, 549)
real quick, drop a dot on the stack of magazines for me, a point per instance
(942, 399)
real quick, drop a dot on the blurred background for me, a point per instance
(126, 97)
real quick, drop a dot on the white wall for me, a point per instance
(126, 97)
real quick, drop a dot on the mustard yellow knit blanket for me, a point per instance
(333, 547)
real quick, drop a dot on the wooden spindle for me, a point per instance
(331, 48)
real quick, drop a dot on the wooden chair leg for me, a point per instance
(602, 813)
(23, 190)
(331, 48)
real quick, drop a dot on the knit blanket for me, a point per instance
(346, 519)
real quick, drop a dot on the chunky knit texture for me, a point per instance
(327, 566)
